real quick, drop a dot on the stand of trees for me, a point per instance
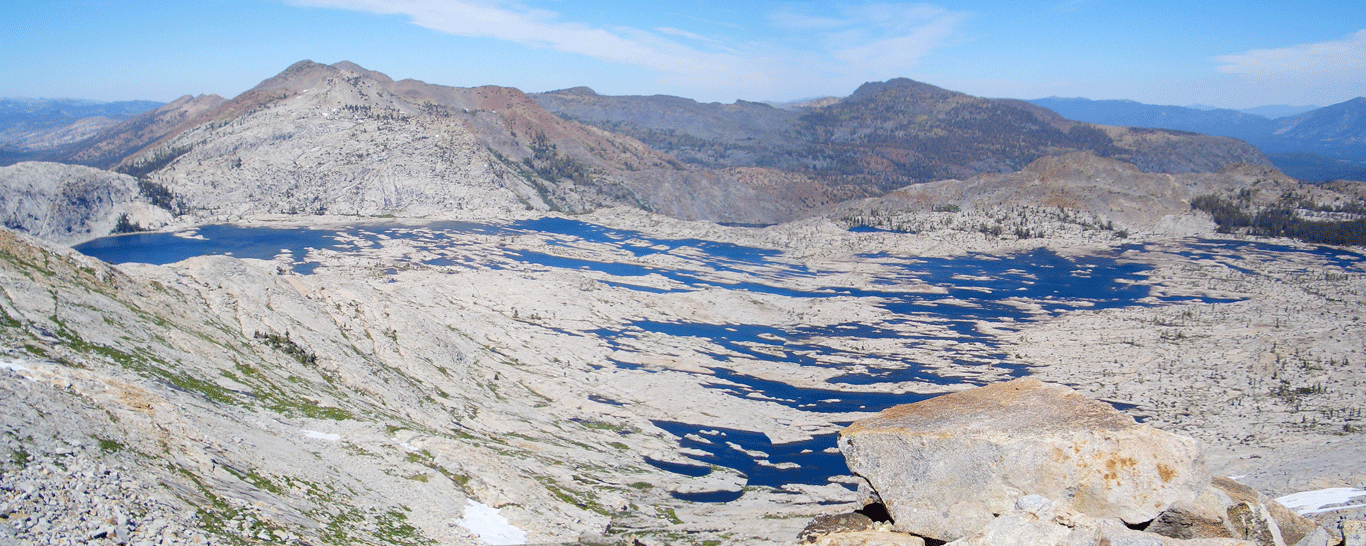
(1281, 220)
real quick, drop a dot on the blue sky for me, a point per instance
(1228, 54)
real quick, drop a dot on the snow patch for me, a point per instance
(1324, 500)
(322, 435)
(16, 366)
(483, 520)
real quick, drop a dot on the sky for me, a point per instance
(1231, 54)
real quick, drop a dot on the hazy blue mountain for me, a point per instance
(34, 128)
(883, 136)
(1315, 145)
(1219, 122)
(1271, 111)
(1337, 131)
(54, 112)
(1277, 111)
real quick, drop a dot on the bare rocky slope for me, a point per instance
(230, 405)
(1083, 191)
(240, 402)
(347, 140)
(109, 146)
(35, 128)
(886, 135)
(343, 139)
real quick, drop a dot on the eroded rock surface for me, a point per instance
(1037, 521)
(70, 203)
(946, 466)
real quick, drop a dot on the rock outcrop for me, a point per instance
(1080, 194)
(947, 466)
(70, 203)
(1354, 533)
(1228, 509)
(1037, 521)
(1030, 463)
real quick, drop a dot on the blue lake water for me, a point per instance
(971, 289)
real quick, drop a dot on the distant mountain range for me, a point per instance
(344, 139)
(31, 128)
(1272, 111)
(109, 146)
(883, 136)
(1318, 144)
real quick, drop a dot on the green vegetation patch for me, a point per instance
(1238, 214)
(287, 346)
(20, 456)
(260, 482)
(395, 529)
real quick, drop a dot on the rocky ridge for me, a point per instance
(346, 140)
(1081, 192)
(37, 127)
(886, 135)
(111, 145)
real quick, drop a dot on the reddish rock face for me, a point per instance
(946, 466)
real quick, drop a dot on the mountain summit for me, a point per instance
(341, 138)
(886, 135)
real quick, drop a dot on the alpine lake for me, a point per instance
(934, 325)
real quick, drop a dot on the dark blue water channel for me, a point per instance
(994, 289)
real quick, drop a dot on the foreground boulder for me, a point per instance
(947, 466)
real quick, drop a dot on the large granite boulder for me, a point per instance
(947, 466)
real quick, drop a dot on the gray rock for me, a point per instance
(1228, 509)
(947, 466)
(69, 203)
(868, 538)
(834, 523)
(1261, 519)
(1185, 520)
(1044, 522)
(1336, 518)
(1354, 533)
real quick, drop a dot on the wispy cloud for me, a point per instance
(1316, 62)
(541, 28)
(683, 33)
(875, 40)
(870, 42)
